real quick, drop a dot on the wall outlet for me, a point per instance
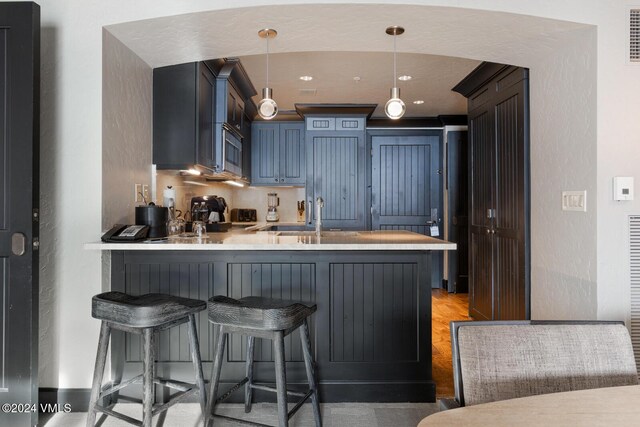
(137, 195)
(146, 193)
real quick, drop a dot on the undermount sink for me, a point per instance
(288, 228)
(322, 234)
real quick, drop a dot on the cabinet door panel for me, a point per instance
(265, 156)
(206, 100)
(292, 154)
(481, 293)
(482, 152)
(338, 177)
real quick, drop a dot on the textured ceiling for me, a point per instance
(444, 34)
(333, 79)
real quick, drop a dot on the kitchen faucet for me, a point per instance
(319, 206)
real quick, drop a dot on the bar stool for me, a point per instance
(144, 315)
(263, 318)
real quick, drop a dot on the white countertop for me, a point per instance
(285, 241)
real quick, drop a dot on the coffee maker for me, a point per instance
(208, 209)
(273, 201)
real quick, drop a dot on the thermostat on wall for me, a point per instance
(622, 188)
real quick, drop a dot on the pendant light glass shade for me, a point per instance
(267, 107)
(394, 108)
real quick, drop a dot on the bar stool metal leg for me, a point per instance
(215, 374)
(248, 391)
(308, 364)
(281, 378)
(197, 363)
(98, 372)
(147, 379)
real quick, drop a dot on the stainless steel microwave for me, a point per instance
(231, 151)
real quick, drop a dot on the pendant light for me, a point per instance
(395, 108)
(267, 107)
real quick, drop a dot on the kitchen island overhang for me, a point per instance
(371, 334)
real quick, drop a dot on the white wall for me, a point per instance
(127, 86)
(567, 260)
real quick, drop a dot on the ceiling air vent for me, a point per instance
(308, 92)
(634, 35)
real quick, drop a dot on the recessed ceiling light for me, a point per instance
(357, 78)
(306, 78)
(404, 78)
(418, 101)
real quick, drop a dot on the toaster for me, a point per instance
(244, 215)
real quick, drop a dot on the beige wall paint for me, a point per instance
(563, 157)
(126, 130)
(71, 138)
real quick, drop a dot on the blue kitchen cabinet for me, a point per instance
(278, 154)
(336, 159)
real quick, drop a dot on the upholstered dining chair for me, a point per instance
(499, 360)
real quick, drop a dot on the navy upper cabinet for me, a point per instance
(336, 159)
(183, 116)
(199, 112)
(278, 153)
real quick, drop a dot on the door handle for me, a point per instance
(18, 244)
(309, 211)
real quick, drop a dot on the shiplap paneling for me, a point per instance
(336, 165)
(405, 180)
(634, 269)
(510, 294)
(292, 161)
(482, 150)
(266, 138)
(281, 281)
(508, 164)
(374, 312)
(481, 293)
(189, 280)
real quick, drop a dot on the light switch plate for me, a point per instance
(146, 193)
(622, 188)
(574, 201)
(137, 195)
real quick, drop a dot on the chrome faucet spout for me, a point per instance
(319, 206)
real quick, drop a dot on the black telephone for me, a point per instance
(126, 233)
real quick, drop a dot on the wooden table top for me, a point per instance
(613, 406)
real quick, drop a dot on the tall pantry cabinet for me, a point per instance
(499, 202)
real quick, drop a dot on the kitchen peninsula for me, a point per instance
(372, 331)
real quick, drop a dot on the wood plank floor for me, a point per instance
(446, 307)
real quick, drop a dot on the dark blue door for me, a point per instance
(406, 192)
(19, 145)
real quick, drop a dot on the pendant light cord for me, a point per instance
(394, 61)
(268, 59)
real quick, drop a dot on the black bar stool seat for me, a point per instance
(144, 311)
(263, 318)
(144, 315)
(258, 313)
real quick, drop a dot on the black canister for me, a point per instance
(155, 217)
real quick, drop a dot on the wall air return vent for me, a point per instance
(634, 269)
(634, 35)
(308, 92)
